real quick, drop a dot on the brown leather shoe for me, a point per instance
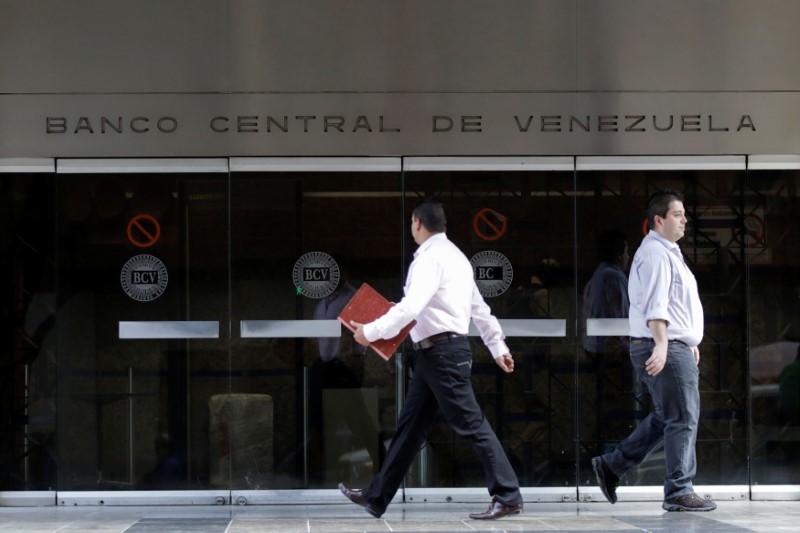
(358, 498)
(607, 479)
(497, 510)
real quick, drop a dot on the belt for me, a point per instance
(642, 340)
(424, 344)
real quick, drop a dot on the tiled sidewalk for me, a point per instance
(730, 517)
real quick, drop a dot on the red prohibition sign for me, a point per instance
(143, 231)
(490, 219)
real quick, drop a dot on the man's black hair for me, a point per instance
(431, 213)
(658, 204)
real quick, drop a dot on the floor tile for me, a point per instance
(179, 525)
(730, 517)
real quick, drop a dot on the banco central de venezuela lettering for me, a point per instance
(439, 124)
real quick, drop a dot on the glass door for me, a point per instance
(314, 407)
(174, 322)
(612, 197)
(514, 219)
(772, 239)
(142, 314)
(27, 329)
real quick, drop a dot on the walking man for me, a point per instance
(440, 293)
(666, 324)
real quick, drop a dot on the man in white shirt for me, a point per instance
(440, 293)
(666, 323)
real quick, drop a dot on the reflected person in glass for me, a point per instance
(605, 295)
(337, 408)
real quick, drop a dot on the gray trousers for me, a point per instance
(673, 422)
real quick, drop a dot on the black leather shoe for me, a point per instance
(357, 498)
(688, 502)
(497, 510)
(607, 479)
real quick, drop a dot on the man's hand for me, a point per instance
(506, 362)
(358, 334)
(655, 364)
(696, 352)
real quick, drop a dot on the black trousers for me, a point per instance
(441, 381)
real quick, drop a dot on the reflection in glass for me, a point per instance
(333, 404)
(531, 410)
(93, 411)
(614, 199)
(28, 347)
(134, 412)
(338, 406)
(605, 296)
(771, 236)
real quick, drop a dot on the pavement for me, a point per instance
(730, 517)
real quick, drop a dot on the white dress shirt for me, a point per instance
(661, 287)
(440, 293)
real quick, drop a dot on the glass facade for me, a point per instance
(174, 327)
(771, 233)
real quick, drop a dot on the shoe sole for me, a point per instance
(684, 509)
(597, 466)
(512, 513)
(373, 512)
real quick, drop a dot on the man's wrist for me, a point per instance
(369, 332)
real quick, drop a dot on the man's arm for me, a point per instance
(491, 332)
(655, 364)
(423, 282)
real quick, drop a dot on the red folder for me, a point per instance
(366, 305)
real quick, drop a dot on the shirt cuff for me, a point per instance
(369, 332)
(498, 349)
(664, 319)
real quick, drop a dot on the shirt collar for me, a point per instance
(669, 245)
(436, 237)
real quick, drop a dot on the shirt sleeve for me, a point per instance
(488, 326)
(423, 281)
(655, 275)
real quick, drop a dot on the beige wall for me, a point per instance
(723, 73)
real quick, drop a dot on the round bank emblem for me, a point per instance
(493, 273)
(315, 275)
(144, 277)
